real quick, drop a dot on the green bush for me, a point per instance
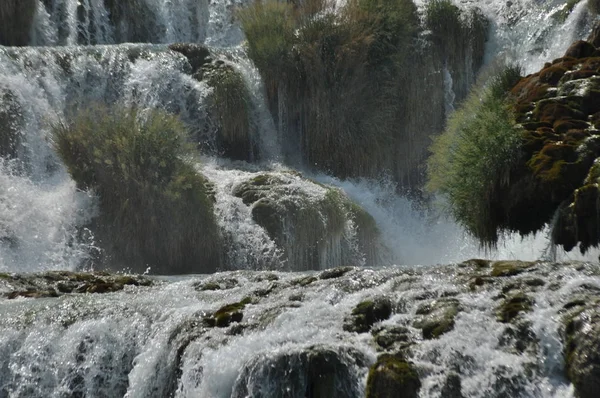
(231, 108)
(269, 27)
(473, 159)
(154, 207)
(16, 20)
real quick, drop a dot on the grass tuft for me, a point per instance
(154, 207)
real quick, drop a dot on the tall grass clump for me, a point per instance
(353, 88)
(331, 77)
(16, 21)
(472, 160)
(155, 209)
(231, 108)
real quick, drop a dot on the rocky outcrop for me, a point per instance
(58, 283)
(413, 332)
(317, 227)
(392, 377)
(542, 141)
(234, 133)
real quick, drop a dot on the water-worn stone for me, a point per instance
(392, 377)
(366, 313)
(581, 339)
(437, 317)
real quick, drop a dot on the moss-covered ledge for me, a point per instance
(536, 163)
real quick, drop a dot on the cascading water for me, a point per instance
(155, 341)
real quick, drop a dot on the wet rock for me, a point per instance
(227, 314)
(510, 268)
(197, 54)
(304, 281)
(366, 313)
(335, 272)
(452, 387)
(308, 221)
(437, 317)
(519, 338)
(581, 340)
(392, 377)
(57, 283)
(580, 49)
(392, 338)
(316, 372)
(513, 306)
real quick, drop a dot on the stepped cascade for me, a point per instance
(262, 164)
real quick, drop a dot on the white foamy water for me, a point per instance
(47, 82)
(152, 342)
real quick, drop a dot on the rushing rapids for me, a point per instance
(293, 336)
(467, 329)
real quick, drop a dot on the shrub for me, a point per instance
(473, 159)
(231, 108)
(16, 20)
(269, 27)
(154, 207)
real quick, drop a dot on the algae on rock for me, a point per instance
(392, 377)
(317, 226)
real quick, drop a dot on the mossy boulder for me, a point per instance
(581, 340)
(227, 314)
(437, 317)
(316, 371)
(391, 338)
(236, 134)
(392, 377)
(197, 55)
(513, 306)
(316, 226)
(545, 166)
(366, 313)
(510, 268)
(58, 283)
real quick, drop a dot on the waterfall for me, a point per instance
(282, 333)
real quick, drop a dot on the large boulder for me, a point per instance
(316, 226)
(392, 377)
(581, 339)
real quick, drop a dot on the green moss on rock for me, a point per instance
(437, 317)
(231, 112)
(392, 377)
(513, 306)
(510, 268)
(581, 341)
(315, 225)
(366, 313)
(227, 314)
